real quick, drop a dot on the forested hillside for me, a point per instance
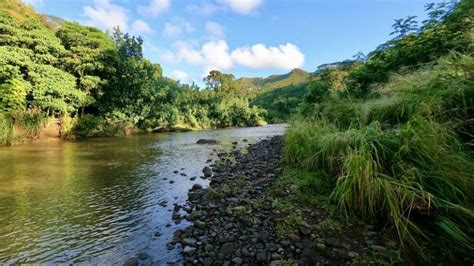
(389, 138)
(295, 77)
(96, 84)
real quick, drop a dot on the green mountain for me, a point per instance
(295, 77)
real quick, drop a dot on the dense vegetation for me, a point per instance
(389, 137)
(96, 84)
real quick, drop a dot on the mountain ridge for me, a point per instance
(296, 76)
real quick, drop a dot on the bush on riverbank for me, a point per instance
(6, 130)
(99, 83)
(400, 152)
(402, 159)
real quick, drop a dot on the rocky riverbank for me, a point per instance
(240, 219)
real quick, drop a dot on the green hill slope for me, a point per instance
(295, 77)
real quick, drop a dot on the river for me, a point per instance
(96, 201)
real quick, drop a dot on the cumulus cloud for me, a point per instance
(212, 54)
(259, 56)
(216, 55)
(105, 14)
(180, 75)
(154, 8)
(34, 2)
(140, 26)
(242, 6)
(215, 30)
(176, 27)
(204, 8)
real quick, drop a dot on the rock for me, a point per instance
(285, 243)
(320, 246)
(237, 261)
(305, 230)
(235, 143)
(271, 247)
(195, 195)
(261, 256)
(131, 262)
(294, 237)
(143, 256)
(207, 141)
(207, 171)
(333, 242)
(276, 263)
(227, 248)
(189, 251)
(200, 224)
(352, 254)
(196, 187)
(189, 242)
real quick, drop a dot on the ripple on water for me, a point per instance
(96, 201)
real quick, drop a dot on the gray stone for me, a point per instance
(189, 242)
(237, 261)
(131, 262)
(189, 251)
(227, 248)
(261, 256)
(207, 141)
(333, 242)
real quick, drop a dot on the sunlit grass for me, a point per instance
(401, 159)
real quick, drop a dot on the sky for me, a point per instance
(250, 38)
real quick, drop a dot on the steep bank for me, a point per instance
(245, 218)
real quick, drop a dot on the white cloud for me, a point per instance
(242, 6)
(107, 15)
(180, 75)
(205, 8)
(35, 3)
(176, 27)
(212, 54)
(140, 26)
(154, 8)
(216, 55)
(259, 56)
(215, 30)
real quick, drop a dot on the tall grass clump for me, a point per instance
(403, 159)
(32, 121)
(6, 130)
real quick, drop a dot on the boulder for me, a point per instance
(207, 141)
(207, 171)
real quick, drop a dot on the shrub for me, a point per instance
(6, 130)
(33, 121)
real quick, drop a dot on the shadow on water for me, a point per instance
(97, 200)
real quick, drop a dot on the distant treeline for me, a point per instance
(97, 84)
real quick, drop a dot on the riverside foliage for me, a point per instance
(96, 83)
(395, 134)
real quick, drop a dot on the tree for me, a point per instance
(221, 82)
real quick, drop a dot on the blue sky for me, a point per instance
(244, 37)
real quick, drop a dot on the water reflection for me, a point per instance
(96, 201)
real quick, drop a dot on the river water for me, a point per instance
(96, 201)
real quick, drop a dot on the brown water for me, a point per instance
(96, 201)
